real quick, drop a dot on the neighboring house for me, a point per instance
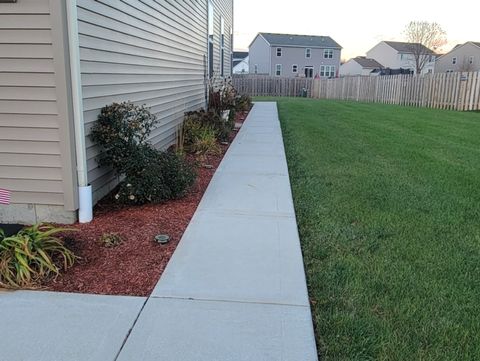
(240, 62)
(398, 55)
(463, 57)
(61, 63)
(294, 55)
(360, 65)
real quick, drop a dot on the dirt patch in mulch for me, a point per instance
(135, 265)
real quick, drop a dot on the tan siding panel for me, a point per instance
(21, 147)
(27, 7)
(31, 21)
(28, 107)
(46, 135)
(27, 79)
(35, 51)
(30, 160)
(37, 198)
(38, 185)
(27, 65)
(34, 173)
(28, 121)
(31, 164)
(25, 93)
(22, 36)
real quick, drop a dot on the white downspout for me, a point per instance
(85, 212)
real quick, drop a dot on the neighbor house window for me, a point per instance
(308, 53)
(279, 51)
(328, 53)
(294, 68)
(454, 60)
(255, 68)
(278, 69)
(222, 47)
(471, 59)
(210, 39)
(327, 71)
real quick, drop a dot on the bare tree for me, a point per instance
(424, 39)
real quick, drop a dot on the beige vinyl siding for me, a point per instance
(149, 52)
(35, 141)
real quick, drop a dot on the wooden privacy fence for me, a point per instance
(457, 91)
(256, 85)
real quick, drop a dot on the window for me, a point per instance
(432, 58)
(210, 39)
(222, 47)
(328, 53)
(308, 53)
(471, 59)
(279, 51)
(449, 71)
(278, 69)
(294, 68)
(327, 71)
(255, 69)
(454, 60)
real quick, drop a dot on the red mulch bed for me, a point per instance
(135, 265)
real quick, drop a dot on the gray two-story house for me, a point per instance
(294, 55)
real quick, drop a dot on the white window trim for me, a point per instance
(310, 67)
(296, 67)
(281, 52)
(276, 69)
(327, 52)
(309, 52)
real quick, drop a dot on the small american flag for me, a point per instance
(5, 196)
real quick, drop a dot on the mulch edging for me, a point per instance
(136, 264)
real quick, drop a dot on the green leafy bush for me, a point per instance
(31, 255)
(150, 175)
(212, 120)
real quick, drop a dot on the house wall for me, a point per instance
(296, 55)
(391, 58)
(351, 67)
(149, 52)
(36, 145)
(385, 55)
(241, 67)
(259, 54)
(462, 53)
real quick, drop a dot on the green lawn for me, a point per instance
(388, 206)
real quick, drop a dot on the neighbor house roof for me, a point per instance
(476, 43)
(240, 54)
(308, 41)
(403, 47)
(368, 63)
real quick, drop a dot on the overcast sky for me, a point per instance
(356, 25)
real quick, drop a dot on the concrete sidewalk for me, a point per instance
(235, 287)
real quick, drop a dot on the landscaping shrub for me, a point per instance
(31, 255)
(213, 120)
(150, 175)
(200, 139)
(243, 103)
